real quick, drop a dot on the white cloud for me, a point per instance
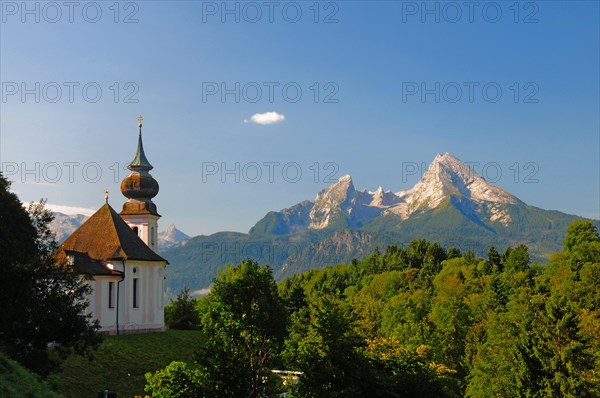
(266, 118)
(70, 210)
(201, 292)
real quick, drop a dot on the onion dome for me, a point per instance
(139, 186)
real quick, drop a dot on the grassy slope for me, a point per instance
(120, 363)
(17, 382)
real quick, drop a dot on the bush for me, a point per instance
(181, 313)
(177, 380)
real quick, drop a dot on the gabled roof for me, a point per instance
(105, 236)
(88, 266)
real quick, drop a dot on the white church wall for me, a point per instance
(148, 312)
(99, 302)
(145, 311)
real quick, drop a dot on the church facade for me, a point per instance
(117, 252)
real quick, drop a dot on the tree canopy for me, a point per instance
(415, 321)
(43, 300)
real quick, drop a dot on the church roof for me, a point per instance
(105, 236)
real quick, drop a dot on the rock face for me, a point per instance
(448, 177)
(170, 238)
(450, 204)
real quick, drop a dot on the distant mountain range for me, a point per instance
(63, 225)
(451, 204)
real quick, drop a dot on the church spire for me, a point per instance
(139, 187)
(140, 162)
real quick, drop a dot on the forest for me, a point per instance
(420, 320)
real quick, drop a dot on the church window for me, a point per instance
(136, 293)
(160, 288)
(111, 294)
(135, 229)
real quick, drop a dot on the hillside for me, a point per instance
(120, 363)
(18, 382)
(451, 205)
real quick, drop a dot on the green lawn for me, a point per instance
(120, 363)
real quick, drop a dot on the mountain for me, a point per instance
(451, 204)
(170, 238)
(341, 205)
(63, 225)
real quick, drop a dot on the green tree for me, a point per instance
(432, 262)
(553, 356)
(176, 380)
(580, 231)
(451, 315)
(517, 260)
(493, 368)
(43, 300)
(244, 320)
(497, 292)
(399, 372)
(494, 261)
(324, 346)
(417, 249)
(181, 313)
(454, 252)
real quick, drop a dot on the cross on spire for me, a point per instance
(106, 195)
(140, 118)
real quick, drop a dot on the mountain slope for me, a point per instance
(451, 204)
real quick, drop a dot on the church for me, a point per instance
(117, 252)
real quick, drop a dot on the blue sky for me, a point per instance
(362, 68)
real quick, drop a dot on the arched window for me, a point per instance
(152, 237)
(135, 229)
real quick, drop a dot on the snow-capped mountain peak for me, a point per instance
(446, 177)
(331, 201)
(338, 191)
(171, 237)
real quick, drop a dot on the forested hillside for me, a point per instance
(423, 321)
(495, 326)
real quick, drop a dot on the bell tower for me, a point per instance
(139, 187)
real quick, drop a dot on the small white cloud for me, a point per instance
(201, 292)
(266, 118)
(70, 210)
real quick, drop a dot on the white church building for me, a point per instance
(118, 252)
